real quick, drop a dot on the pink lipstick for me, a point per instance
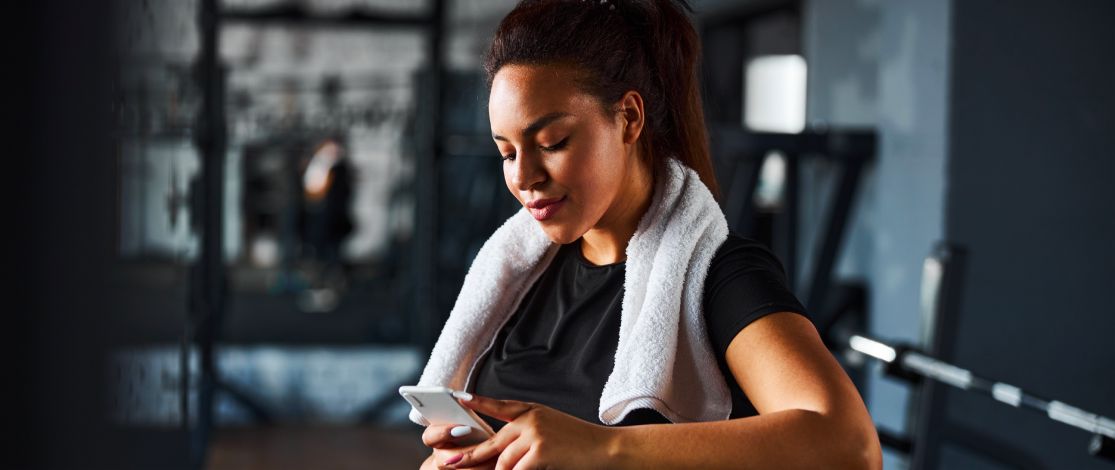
(543, 209)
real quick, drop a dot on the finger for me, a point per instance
(437, 436)
(488, 449)
(443, 457)
(512, 454)
(530, 461)
(503, 410)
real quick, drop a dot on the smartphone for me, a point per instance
(438, 406)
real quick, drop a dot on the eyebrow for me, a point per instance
(537, 125)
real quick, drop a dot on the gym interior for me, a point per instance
(239, 225)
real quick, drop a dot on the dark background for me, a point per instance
(60, 232)
(1031, 195)
(1029, 192)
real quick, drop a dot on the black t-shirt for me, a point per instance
(559, 346)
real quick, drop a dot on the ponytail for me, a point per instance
(649, 46)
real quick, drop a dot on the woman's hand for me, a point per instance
(535, 436)
(440, 438)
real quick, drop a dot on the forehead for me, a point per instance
(521, 93)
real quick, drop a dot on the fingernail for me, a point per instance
(463, 395)
(460, 431)
(454, 459)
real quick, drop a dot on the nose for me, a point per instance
(527, 171)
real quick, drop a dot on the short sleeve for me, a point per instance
(745, 282)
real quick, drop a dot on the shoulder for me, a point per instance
(745, 282)
(740, 255)
(737, 242)
(744, 270)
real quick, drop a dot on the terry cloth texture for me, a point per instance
(663, 359)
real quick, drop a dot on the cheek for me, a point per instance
(589, 178)
(507, 181)
(594, 180)
(600, 171)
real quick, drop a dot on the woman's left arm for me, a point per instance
(810, 416)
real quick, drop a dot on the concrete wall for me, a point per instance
(995, 127)
(1031, 167)
(883, 65)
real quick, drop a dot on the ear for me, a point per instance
(632, 116)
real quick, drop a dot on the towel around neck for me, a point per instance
(663, 360)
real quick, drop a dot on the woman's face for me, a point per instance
(559, 144)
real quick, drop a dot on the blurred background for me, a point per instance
(238, 225)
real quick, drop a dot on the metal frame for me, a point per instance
(838, 310)
(853, 149)
(913, 366)
(208, 279)
(931, 377)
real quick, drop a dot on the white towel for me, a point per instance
(663, 360)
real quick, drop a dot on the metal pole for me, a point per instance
(833, 236)
(909, 364)
(790, 216)
(426, 175)
(209, 267)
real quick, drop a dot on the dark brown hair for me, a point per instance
(649, 46)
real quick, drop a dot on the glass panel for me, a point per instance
(155, 180)
(320, 299)
(156, 106)
(318, 177)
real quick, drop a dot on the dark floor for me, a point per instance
(303, 447)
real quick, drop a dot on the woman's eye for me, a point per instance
(508, 157)
(555, 147)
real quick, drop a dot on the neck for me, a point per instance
(606, 242)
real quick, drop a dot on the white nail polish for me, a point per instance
(463, 395)
(460, 431)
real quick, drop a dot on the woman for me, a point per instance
(595, 108)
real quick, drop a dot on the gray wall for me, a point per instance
(1031, 195)
(883, 65)
(997, 132)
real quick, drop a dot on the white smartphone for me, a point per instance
(438, 406)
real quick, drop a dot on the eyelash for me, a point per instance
(550, 149)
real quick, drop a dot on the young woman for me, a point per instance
(591, 103)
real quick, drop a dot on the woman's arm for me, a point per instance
(810, 414)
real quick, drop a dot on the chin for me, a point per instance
(560, 235)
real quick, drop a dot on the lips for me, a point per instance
(543, 209)
(540, 203)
